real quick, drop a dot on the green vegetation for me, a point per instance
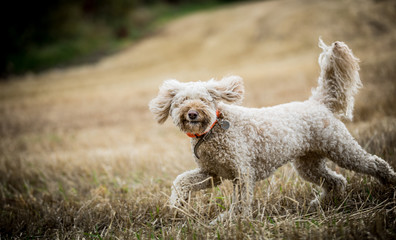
(60, 33)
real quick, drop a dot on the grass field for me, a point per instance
(82, 157)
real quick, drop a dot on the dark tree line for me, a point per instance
(28, 24)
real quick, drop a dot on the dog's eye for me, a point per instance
(174, 105)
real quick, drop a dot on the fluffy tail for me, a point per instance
(339, 79)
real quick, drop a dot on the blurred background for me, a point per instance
(81, 155)
(60, 33)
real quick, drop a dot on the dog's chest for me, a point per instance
(216, 158)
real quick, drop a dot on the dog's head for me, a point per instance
(192, 106)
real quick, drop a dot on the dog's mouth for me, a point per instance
(196, 126)
(194, 123)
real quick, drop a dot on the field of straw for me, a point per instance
(82, 157)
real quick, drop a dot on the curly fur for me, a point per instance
(339, 79)
(260, 140)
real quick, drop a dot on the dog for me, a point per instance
(247, 145)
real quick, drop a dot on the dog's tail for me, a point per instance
(339, 79)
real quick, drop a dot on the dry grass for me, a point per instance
(81, 156)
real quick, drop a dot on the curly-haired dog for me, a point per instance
(248, 144)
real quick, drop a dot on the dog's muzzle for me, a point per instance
(192, 115)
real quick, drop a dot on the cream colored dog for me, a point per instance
(246, 145)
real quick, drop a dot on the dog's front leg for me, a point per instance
(190, 181)
(242, 199)
(243, 194)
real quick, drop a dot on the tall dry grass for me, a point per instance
(82, 157)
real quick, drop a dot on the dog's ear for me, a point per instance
(229, 89)
(160, 106)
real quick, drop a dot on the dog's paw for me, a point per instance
(220, 219)
(175, 203)
(314, 204)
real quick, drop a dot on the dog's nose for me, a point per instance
(192, 114)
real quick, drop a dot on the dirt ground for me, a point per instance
(72, 136)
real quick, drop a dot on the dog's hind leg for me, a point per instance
(190, 181)
(312, 167)
(347, 153)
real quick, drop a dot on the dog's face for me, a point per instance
(193, 109)
(192, 106)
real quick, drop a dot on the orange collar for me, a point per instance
(192, 135)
